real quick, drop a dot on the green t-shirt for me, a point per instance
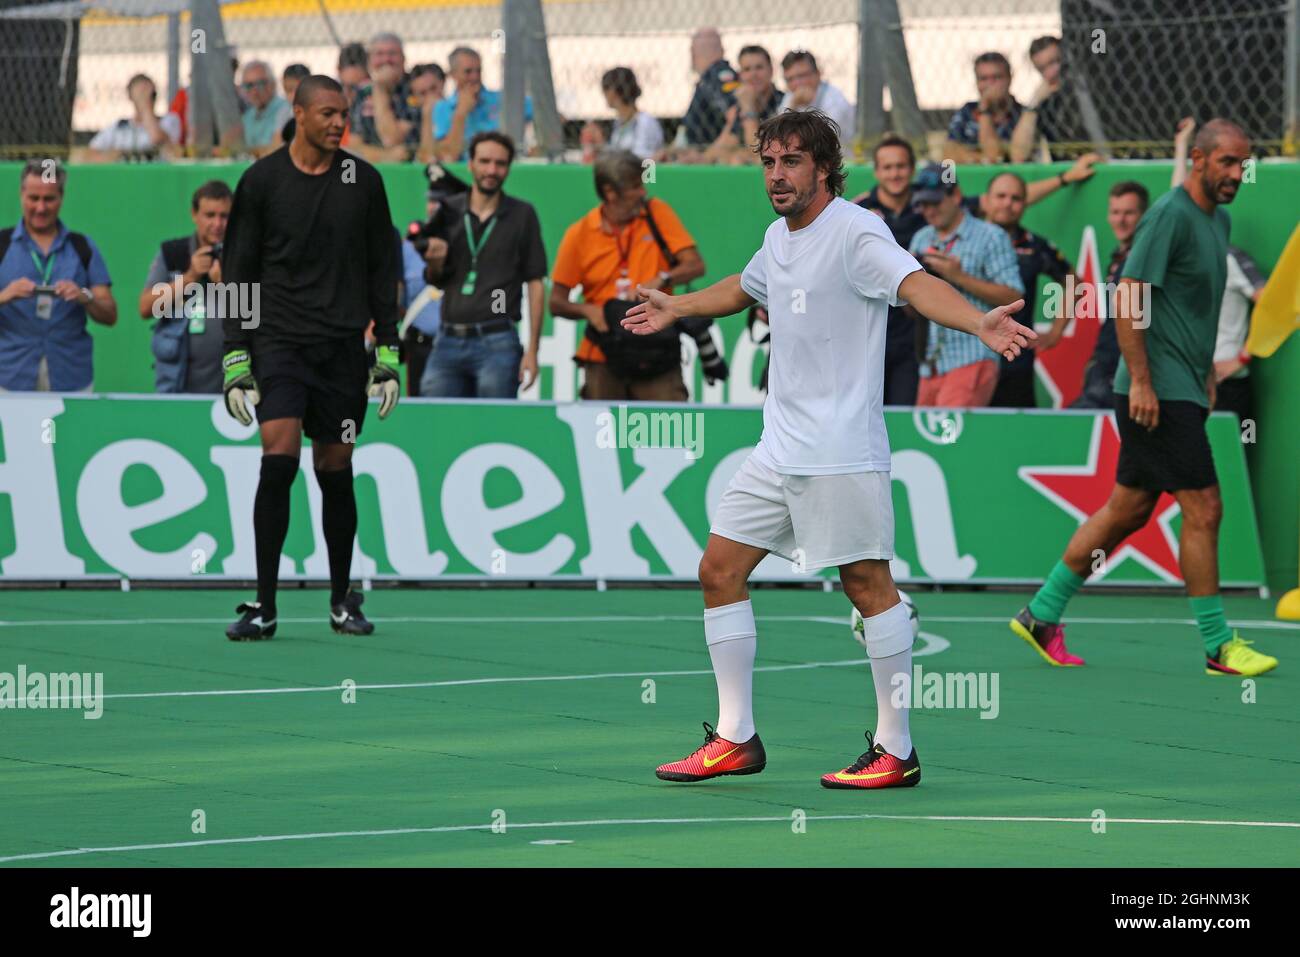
(1183, 254)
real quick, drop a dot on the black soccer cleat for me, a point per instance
(251, 626)
(346, 618)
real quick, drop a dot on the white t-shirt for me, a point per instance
(133, 137)
(827, 289)
(642, 135)
(834, 104)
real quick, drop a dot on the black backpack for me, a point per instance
(79, 242)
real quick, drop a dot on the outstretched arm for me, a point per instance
(660, 310)
(940, 302)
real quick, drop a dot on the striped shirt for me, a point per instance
(985, 252)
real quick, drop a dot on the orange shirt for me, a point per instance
(594, 259)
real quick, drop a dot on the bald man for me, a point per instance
(1166, 320)
(715, 93)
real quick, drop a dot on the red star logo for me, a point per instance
(1083, 489)
(1061, 368)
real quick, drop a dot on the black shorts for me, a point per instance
(1176, 455)
(324, 384)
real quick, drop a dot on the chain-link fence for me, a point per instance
(1130, 69)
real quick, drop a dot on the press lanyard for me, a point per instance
(45, 269)
(467, 289)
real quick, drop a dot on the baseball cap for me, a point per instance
(933, 183)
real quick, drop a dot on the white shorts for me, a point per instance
(816, 521)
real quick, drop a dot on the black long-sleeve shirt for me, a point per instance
(321, 249)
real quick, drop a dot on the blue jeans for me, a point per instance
(469, 367)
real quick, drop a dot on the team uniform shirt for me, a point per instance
(485, 116)
(715, 93)
(61, 339)
(131, 137)
(1244, 280)
(595, 260)
(831, 102)
(321, 249)
(641, 135)
(827, 289)
(985, 252)
(964, 127)
(1183, 253)
(406, 106)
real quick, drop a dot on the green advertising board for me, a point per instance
(162, 488)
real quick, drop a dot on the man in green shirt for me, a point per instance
(1167, 319)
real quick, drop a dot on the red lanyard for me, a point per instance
(624, 254)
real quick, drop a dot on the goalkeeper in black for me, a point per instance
(310, 227)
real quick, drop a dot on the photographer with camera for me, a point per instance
(629, 240)
(483, 246)
(187, 342)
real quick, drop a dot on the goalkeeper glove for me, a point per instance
(240, 386)
(384, 379)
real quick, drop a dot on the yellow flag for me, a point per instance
(1277, 314)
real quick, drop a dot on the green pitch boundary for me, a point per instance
(527, 708)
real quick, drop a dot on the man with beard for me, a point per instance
(1167, 318)
(816, 490)
(494, 248)
(310, 241)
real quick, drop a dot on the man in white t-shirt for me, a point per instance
(808, 91)
(816, 490)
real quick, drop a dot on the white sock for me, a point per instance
(889, 647)
(732, 638)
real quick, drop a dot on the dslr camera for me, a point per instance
(443, 184)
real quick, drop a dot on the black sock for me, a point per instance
(339, 523)
(271, 524)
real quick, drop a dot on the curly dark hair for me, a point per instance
(816, 133)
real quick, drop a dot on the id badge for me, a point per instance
(623, 288)
(44, 306)
(198, 322)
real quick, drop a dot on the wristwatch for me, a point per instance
(665, 279)
(87, 296)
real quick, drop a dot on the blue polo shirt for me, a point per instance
(485, 116)
(62, 340)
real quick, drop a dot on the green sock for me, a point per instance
(1049, 604)
(1208, 610)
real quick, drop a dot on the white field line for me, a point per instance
(524, 619)
(636, 822)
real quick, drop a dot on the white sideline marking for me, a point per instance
(631, 822)
(848, 663)
(524, 619)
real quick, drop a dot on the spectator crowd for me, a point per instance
(469, 284)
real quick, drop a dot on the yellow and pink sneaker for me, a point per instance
(1045, 638)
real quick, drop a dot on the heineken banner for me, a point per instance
(162, 488)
